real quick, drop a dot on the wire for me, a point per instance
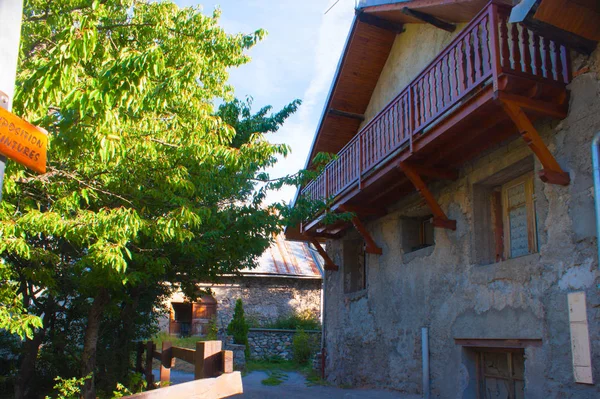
(333, 5)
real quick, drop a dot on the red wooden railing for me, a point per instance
(485, 49)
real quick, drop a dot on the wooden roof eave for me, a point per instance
(334, 83)
(324, 113)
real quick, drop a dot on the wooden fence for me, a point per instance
(212, 365)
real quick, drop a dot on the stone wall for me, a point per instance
(265, 343)
(266, 298)
(372, 337)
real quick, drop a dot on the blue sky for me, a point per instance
(297, 59)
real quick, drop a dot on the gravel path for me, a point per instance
(294, 387)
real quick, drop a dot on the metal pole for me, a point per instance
(425, 355)
(596, 171)
(11, 13)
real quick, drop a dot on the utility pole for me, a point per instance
(11, 14)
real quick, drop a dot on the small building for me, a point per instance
(287, 280)
(469, 267)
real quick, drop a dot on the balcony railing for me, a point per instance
(485, 49)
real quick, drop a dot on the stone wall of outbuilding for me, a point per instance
(269, 343)
(266, 299)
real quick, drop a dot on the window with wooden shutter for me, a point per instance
(518, 205)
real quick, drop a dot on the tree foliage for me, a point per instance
(149, 187)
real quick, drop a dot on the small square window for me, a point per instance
(417, 233)
(426, 233)
(355, 266)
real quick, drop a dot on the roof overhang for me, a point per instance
(367, 48)
(365, 53)
(573, 23)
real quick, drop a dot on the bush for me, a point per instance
(297, 321)
(213, 329)
(303, 347)
(238, 328)
(69, 388)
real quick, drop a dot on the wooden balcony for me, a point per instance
(487, 85)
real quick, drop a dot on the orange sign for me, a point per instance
(23, 142)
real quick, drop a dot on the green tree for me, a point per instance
(148, 188)
(238, 328)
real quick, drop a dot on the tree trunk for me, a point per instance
(25, 377)
(90, 342)
(127, 331)
(24, 383)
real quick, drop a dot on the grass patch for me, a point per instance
(313, 378)
(185, 342)
(275, 377)
(275, 367)
(271, 364)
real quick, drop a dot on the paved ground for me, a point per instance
(294, 387)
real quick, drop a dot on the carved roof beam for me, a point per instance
(439, 217)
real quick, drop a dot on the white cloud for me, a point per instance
(299, 131)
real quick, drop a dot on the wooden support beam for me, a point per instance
(346, 114)
(361, 210)
(337, 229)
(208, 359)
(313, 223)
(226, 362)
(430, 19)
(510, 343)
(439, 217)
(165, 363)
(370, 245)
(380, 22)
(185, 354)
(150, 346)
(433, 172)
(552, 172)
(329, 265)
(323, 234)
(553, 110)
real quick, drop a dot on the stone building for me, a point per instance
(286, 280)
(469, 269)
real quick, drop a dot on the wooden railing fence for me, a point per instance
(208, 358)
(487, 48)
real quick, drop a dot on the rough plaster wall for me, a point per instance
(417, 46)
(267, 299)
(373, 336)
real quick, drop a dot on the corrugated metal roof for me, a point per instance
(288, 259)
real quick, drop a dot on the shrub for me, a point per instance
(213, 329)
(252, 321)
(69, 388)
(303, 347)
(304, 320)
(238, 328)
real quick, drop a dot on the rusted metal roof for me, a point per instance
(288, 259)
